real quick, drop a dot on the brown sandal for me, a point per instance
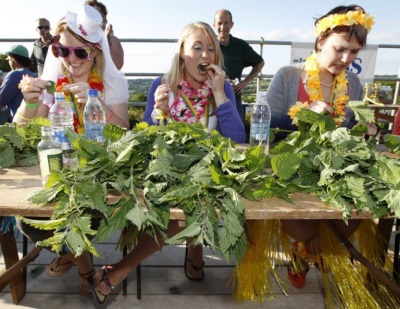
(58, 268)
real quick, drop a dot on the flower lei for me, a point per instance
(94, 81)
(348, 19)
(339, 94)
(198, 101)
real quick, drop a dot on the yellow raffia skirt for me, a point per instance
(345, 281)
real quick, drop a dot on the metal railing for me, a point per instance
(260, 42)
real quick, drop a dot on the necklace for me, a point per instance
(339, 97)
(191, 104)
(327, 85)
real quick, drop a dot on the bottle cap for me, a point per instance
(262, 95)
(92, 92)
(59, 95)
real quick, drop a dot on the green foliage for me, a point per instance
(152, 169)
(392, 142)
(4, 65)
(135, 115)
(18, 145)
(338, 165)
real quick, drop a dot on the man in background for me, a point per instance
(116, 50)
(238, 55)
(41, 45)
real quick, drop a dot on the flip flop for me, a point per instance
(99, 297)
(57, 269)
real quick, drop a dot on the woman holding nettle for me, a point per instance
(194, 90)
(80, 54)
(323, 85)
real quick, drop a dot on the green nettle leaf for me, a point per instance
(7, 157)
(393, 201)
(392, 142)
(286, 165)
(362, 111)
(388, 171)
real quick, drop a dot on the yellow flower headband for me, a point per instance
(348, 19)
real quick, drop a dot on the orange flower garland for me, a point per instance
(339, 94)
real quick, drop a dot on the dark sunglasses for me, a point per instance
(43, 27)
(62, 51)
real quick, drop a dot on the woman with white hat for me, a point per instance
(80, 53)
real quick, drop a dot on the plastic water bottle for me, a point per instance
(61, 116)
(94, 117)
(260, 121)
(50, 154)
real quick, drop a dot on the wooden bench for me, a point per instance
(16, 184)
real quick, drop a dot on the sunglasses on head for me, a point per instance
(43, 27)
(62, 51)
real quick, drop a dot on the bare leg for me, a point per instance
(194, 261)
(85, 269)
(145, 247)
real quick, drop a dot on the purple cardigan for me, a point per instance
(229, 122)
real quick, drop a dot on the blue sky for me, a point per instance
(285, 20)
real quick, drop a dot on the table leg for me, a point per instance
(10, 253)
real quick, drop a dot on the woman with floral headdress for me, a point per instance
(322, 85)
(80, 60)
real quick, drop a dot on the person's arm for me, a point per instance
(281, 94)
(33, 67)
(31, 106)
(118, 115)
(147, 116)
(229, 123)
(116, 50)
(253, 73)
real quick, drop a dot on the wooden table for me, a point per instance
(16, 184)
(380, 109)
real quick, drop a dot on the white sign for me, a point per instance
(363, 65)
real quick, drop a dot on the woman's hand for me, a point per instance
(217, 80)
(79, 91)
(320, 107)
(217, 77)
(372, 129)
(161, 98)
(32, 88)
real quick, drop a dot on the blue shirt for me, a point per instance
(10, 95)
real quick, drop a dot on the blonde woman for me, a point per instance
(80, 54)
(194, 90)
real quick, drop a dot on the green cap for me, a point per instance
(18, 50)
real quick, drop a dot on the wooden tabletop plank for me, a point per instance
(16, 184)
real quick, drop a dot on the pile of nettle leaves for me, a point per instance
(155, 168)
(18, 146)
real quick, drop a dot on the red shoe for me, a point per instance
(297, 280)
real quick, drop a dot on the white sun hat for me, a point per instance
(86, 23)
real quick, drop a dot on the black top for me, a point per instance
(238, 54)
